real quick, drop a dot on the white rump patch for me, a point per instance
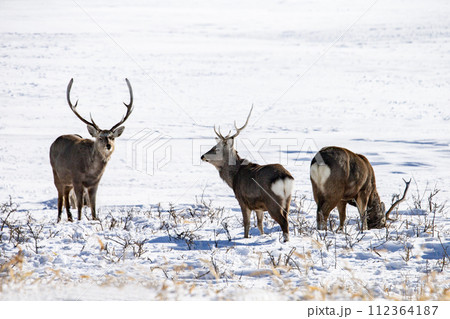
(319, 174)
(283, 187)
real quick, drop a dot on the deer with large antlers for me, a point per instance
(256, 187)
(79, 163)
(340, 177)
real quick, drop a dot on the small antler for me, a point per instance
(129, 107)
(238, 130)
(74, 107)
(400, 200)
(219, 135)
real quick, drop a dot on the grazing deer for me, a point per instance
(79, 163)
(256, 187)
(340, 177)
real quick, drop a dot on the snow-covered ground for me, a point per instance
(371, 76)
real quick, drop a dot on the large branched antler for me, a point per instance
(74, 108)
(400, 200)
(238, 130)
(129, 107)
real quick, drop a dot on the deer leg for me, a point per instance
(324, 206)
(321, 220)
(342, 206)
(92, 196)
(79, 192)
(67, 203)
(286, 216)
(260, 219)
(361, 204)
(276, 211)
(323, 211)
(60, 204)
(246, 215)
(287, 206)
(60, 194)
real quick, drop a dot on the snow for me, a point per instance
(371, 76)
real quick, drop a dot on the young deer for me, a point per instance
(79, 163)
(340, 177)
(256, 187)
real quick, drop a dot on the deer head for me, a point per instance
(104, 139)
(224, 153)
(376, 210)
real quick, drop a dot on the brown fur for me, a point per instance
(351, 181)
(79, 164)
(252, 184)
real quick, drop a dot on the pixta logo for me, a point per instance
(149, 151)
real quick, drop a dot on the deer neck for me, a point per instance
(99, 159)
(374, 197)
(230, 168)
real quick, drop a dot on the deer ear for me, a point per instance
(92, 130)
(118, 131)
(217, 139)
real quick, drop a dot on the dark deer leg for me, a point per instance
(342, 206)
(278, 214)
(323, 211)
(286, 216)
(260, 219)
(246, 215)
(60, 190)
(67, 203)
(79, 191)
(323, 207)
(60, 204)
(288, 206)
(92, 199)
